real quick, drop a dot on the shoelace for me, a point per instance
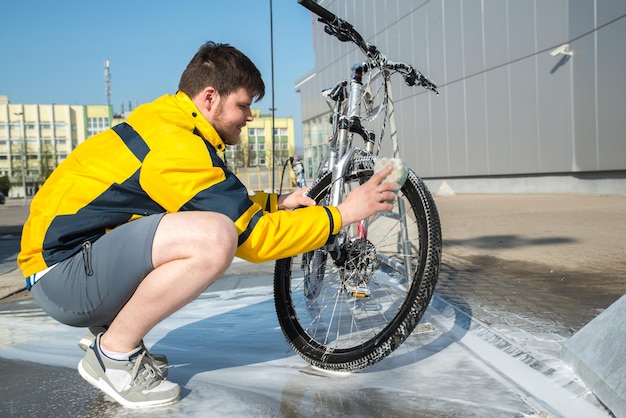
(152, 359)
(143, 373)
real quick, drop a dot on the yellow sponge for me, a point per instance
(400, 169)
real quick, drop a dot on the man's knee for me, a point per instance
(218, 240)
(191, 234)
(220, 231)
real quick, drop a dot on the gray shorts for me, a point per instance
(91, 287)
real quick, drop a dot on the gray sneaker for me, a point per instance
(159, 360)
(135, 383)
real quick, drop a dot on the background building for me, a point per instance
(255, 143)
(35, 138)
(251, 159)
(532, 92)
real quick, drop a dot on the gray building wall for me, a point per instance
(507, 108)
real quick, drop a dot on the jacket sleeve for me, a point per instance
(286, 233)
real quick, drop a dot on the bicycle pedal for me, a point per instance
(360, 292)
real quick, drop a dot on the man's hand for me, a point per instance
(369, 198)
(295, 199)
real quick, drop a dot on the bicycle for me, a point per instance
(352, 302)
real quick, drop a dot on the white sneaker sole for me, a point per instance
(106, 388)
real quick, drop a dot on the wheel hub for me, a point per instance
(358, 268)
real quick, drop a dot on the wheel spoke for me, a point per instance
(351, 311)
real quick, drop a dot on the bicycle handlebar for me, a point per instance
(345, 32)
(340, 29)
(411, 76)
(318, 10)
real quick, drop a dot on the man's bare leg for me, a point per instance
(190, 251)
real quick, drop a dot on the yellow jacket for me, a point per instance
(164, 158)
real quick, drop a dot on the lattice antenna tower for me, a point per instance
(107, 81)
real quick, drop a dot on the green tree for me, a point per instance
(5, 185)
(46, 163)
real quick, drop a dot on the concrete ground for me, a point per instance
(526, 271)
(561, 256)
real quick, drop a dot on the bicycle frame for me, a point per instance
(346, 121)
(351, 303)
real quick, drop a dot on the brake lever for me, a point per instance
(427, 84)
(415, 77)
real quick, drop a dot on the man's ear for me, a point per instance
(209, 98)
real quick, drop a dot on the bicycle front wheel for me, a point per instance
(350, 309)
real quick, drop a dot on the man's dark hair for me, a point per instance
(224, 68)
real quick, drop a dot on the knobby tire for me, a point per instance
(347, 314)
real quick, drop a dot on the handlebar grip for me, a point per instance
(318, 10)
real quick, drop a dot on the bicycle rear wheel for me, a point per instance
(349, 310)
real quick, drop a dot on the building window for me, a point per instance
(96, 125)
(256, 134)
(280, 132)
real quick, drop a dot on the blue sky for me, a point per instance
(54, 51)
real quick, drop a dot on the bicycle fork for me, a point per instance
(341, 155)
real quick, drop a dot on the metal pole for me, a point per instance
(23, 153)
(273, 106)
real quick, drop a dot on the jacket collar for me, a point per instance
(202, 126)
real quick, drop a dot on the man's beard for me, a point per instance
(219, 124)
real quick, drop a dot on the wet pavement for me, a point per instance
(520, 275)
